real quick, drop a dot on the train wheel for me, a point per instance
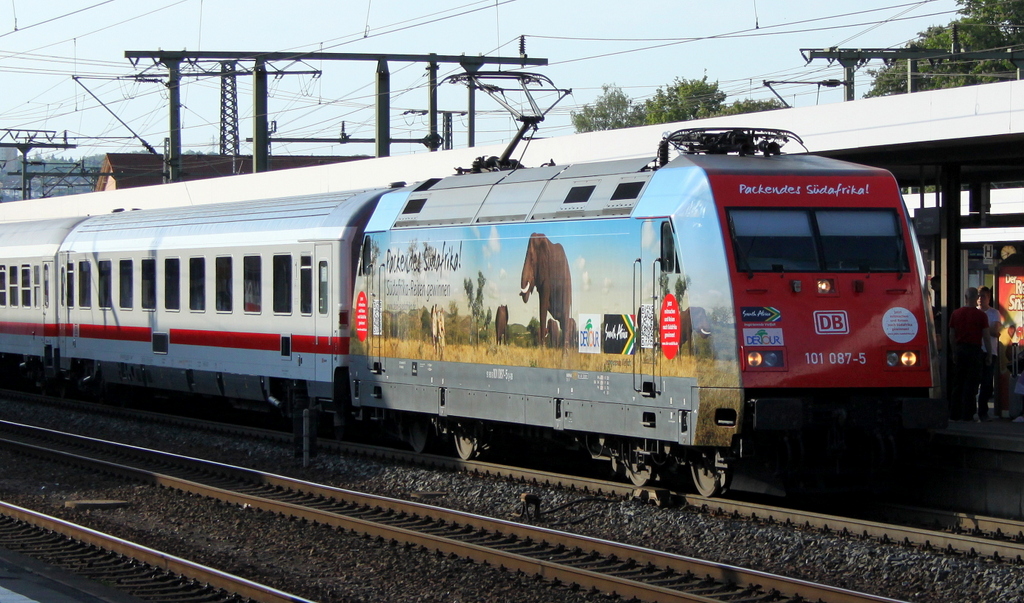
(710, 480)
(466, 446)
(417, 434)
(639, 474)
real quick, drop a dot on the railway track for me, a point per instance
(627, 571)
(930, 529)
(139, 571)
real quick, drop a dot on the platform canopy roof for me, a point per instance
(979, 128)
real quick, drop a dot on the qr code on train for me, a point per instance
(647, 326)
(377, 321)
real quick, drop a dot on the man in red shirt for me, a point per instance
(967, 326)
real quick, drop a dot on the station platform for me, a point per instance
(970, 467)
(27, 580)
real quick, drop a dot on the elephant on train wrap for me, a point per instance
(546, 269)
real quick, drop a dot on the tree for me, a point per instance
(611, 111)
(684, 100)
(984, 25)
(749, 105)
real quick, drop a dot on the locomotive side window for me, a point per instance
(323, 290)
(104, 278)
(84, 284)
(861, 240)
(14, 286)
(283, 284)
(149, 284)
(252, 283)
(172, 284)
(773, 240)
(3, 285)
(669, 261)
(366, 264)
(223, 277)
(126, 284)
(306, 285)
(70, 282)
(26, 286)
(197, 284)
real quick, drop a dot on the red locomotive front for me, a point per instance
(827, 291)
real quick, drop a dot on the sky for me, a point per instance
(63, 65)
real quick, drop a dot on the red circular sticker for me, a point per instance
(669, 326)
(362, 321)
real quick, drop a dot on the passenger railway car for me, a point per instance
(245, 301)
(758, 315)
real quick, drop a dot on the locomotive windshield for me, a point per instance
(811, 240)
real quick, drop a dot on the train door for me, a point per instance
(326, 330)
(370, 306)
(645, 277)
(63, 300)
(657, 300)
(47, 303)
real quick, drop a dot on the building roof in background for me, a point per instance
(131, 170)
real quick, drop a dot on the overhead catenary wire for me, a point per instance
(299, 113)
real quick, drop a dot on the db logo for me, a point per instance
(831, 323)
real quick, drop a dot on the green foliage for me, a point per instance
(682, 100)
(476, 304)
(611, 111)
(749, 105)
(983, 25)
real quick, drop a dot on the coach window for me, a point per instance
(13, 287)
(84, 284)
(197, 284)
(222, 268)
(104, 281)
(46, 286)
(322, 293)
(252, 283)
(306, 285)
(35, 285)
(283, 284)
(126, 284)
(3, 285)
(26, 285)
(70, 284)
(172, 284)
(149, 284)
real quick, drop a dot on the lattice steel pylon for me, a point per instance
(229, 140)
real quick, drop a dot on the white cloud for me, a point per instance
(648, 236)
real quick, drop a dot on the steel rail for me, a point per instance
(468, 523)
(968, 533)
(175, 565)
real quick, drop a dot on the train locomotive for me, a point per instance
(753, 319)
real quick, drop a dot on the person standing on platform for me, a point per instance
(967, 327)
(990, 345)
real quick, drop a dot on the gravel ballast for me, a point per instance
(323, 564)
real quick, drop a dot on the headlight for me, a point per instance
(895, 359)
(767, 359)
(826, 285)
